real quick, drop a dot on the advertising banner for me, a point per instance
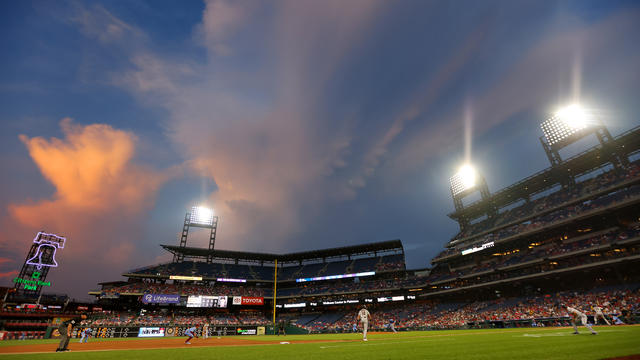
(249, 300)
(155, 331)
(161, 299)
(247, 331)
(237, 300)
(151, 332)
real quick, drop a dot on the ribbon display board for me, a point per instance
(157, 330)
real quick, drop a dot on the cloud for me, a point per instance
(101, 197)
(261, 123)
(91, 170)
(264, 154)
(8, 274)
(219, 20)
(99, 23)
(448, 72)
(533, 81)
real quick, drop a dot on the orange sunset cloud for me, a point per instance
(99, 191)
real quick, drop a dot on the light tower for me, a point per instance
(201, 217)
(464, 183)
(571, 124)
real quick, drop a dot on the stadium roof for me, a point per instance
(582, 163)
(383, 246)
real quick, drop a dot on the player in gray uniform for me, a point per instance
(364, 316)
(599, 314)
(577, 315)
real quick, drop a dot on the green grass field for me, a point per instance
(521, 344)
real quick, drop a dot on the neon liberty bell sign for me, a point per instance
(44, 256)
(46, 253)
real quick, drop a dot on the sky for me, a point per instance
(304, 124)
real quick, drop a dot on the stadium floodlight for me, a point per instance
(201, 215)
(464, 179)
(566, 122)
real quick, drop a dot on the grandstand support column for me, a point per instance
(486, 195)
(462, 220)
(553, 155)
(183, 238)
(556, 161)
(212, 239)
(618, 158)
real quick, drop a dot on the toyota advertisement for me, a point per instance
(248, 300)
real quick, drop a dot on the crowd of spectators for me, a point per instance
(620, 301)
(163, 319)
(555, 202)
(145, 287)
(550, 249)
(292, 272)
(541, 257)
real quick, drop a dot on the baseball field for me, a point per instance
(521, 344)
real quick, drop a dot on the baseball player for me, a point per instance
(616, 319)
(392, 325)
(191, 333)
(85, 335)
(598, 314)
(364, 316)
(205, 331)
(576, 315)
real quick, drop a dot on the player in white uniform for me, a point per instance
(598, 314)
(205, 331)
(364, 316)
(576, 315)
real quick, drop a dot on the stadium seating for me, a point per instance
(556, 200)
(285, 273)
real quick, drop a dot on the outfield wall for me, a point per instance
(158, 331)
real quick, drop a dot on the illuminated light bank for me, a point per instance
(463, 180)
(566, 122)
(231, 280)
(478, 248)
(332, 277)
(180, 277)
(297, 305)
(392, 298)
(201, 215)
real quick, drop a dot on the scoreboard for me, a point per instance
(207, 301)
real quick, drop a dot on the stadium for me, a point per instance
(569, 234)
(303, 179)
